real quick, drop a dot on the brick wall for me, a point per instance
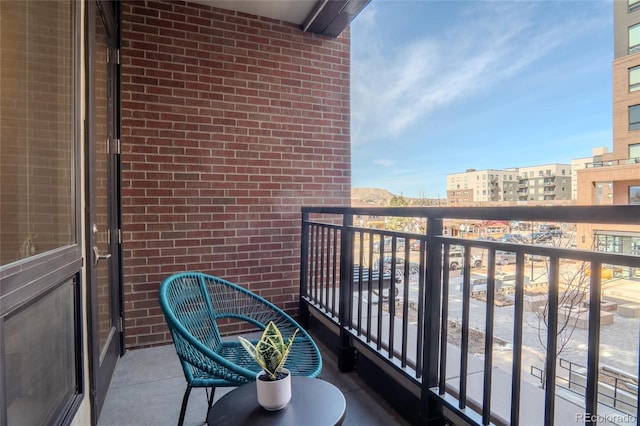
(230, 123)
(622, 100)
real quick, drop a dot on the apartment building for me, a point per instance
(548, 182)
(614, 177)
(480, 186)
(583, 163)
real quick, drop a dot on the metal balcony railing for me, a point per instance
(610, 163)
(424, 323)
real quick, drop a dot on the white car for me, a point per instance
(456, 260)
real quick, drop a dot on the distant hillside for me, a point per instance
(377, 197)
(370, 197)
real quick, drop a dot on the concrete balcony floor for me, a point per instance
(148, 385)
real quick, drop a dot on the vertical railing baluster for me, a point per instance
(360, 280)
(430, 407)
(593, 349)
(464, 342)
(392, 287)
(370, 287)
(552, 342)
(518, 319)
(316, 248)
(323, 249)
(347, 353)
(380, 289)
(488, 335)
(445, 319)
(304, 257)
(420, 314)
(405, 303)
(334, 269)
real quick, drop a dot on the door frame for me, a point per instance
(100, 372)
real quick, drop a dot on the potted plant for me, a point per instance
(274, 381)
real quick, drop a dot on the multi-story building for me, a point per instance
(480, 186)
(548, 182)
(614, 177)
(578, 164)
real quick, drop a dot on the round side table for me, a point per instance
(314, 402)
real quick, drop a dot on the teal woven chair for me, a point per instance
(194, 304)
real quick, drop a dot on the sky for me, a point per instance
(438, 87)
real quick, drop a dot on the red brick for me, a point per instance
(231, 123)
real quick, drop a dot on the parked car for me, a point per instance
(414, 268)
(553, 230)
(513, 238)
(456, 260)
(388, 244)
(480, 284)
(505, 257)
(542, 237)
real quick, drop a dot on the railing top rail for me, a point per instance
(618, 214)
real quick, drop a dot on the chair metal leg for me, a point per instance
(213, 392)
(210, 401)
(183, 410)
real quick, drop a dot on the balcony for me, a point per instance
(148, 385)
(487, 345)
(610, 163)
(418, 343)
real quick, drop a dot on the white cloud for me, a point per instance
(396, 87)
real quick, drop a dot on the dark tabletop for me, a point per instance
(314, 402)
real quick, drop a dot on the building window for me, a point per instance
(634, 39)
(634, 195)
(634, 117)
(46, 372)
(634, 150)
(633, 5)
(37, 135)
(634, 77)
(41, 365)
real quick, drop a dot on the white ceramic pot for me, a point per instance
(274, 395)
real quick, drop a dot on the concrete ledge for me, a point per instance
(579, 317)
(629, 310)
(532, 303)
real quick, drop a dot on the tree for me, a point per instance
(573, 297)
(398, 223)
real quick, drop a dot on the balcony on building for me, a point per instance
(457, 346)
